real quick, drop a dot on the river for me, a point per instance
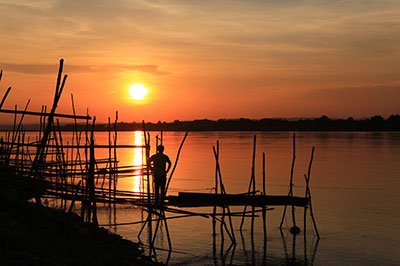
(355, 180)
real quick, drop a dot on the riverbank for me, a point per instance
(33, 235)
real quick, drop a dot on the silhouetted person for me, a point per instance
(160, 170)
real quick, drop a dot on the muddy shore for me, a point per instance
(38, 235)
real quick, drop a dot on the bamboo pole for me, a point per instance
(58, 166)
(5, 95)
(67, 146)
(20, 121)
(149, 216)
(14, 123)
(109, 158)
(91, 177)
(253, 175)
(263, 208)
(115, 180)
(78, 136)
(308, 195)
(64, 161)
(40, 152)
(75, 195)
(16, 162)
(176, 162)
(251, 182)
(216, 192)
(85, 201)
(81, 117)
(147, 161)
(222, 188)
(294, 229)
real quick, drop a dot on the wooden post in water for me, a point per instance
(147, 154)
(294, 229)
(251, 185)
(308, 196)
(176, 162)
(92, 162)
(85, 201)
(115, 175)
(231, 233)
(149, 198)
(63, 161)
(264, 212)
(253, 176)
(215, 206)
(109, 163)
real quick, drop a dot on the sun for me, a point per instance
(137, 91)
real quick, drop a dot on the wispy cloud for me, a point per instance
(368, 97)
(51, 68)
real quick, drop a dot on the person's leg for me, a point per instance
(163, 182)
(157, 189)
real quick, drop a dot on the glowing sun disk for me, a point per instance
(138, 91)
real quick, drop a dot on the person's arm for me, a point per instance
(169, 164)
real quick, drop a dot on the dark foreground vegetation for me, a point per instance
(323, 123)
(38, 235)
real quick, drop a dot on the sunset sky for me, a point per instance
(204, 59)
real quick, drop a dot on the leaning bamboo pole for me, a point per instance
(308, 196)
(176, 162)
(294, 229)
(5, 95)
(40, 152)
(251, 183)
(230, 232)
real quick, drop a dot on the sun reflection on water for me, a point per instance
(138, 162)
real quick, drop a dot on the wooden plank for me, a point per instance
(186, 199)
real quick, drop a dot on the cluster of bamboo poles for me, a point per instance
(224, 215)
(67, 168)
(67, 171)
(252, 214)
(157, 213)
(64, 170)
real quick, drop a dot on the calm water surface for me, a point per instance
(355, 182)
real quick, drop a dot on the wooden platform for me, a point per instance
(185, 199)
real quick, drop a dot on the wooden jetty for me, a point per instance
(68, 172)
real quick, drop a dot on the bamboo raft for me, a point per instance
(68, 172)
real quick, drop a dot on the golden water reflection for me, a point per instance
(137, 162)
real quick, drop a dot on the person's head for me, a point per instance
(160, 148)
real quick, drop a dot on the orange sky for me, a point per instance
(204, 59)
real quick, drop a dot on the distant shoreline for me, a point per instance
(321, 124)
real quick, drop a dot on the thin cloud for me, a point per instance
(356, 92)
(37, 69)
(152, 69)
(381, 97)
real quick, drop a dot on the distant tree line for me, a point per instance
(323, 123)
